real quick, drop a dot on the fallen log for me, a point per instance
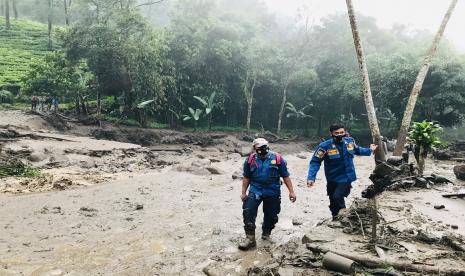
(164, 148)
(371, 262)
(454, 195)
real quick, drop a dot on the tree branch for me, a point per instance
(149, 3)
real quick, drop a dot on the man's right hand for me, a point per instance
(243, 197)
(310, 183)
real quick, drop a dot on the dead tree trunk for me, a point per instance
(409, 108)
(7, 14)
(65, 5)
(49, 20)
(250, 102)
(15, 10)
(283, 105)
(372, 120)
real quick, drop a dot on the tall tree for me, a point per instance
(403, 131)
(371, 112)
(49, 21)
(7, 14)
(2, 7)
(293, 60)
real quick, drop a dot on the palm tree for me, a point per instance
(402, 135)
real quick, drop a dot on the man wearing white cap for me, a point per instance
(262, 172)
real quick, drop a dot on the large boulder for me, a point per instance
(459, 172)
(244, 151)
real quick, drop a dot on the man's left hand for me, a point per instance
(373, 147)
(292, 197)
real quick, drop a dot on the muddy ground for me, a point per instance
(162, 202)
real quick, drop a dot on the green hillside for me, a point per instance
(25, 41)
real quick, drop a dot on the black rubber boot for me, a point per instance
(248, 243)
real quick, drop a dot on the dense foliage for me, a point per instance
(245, 57)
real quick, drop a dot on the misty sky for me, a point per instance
(417, 14)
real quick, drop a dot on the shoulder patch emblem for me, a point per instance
(320, 153)
(350, 146)
(273, 161)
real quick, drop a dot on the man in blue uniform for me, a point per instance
(262, 172)
(338, 155)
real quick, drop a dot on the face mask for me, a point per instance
(262, 150)
(339, 137)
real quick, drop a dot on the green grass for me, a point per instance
(18, 168)
(19, 47)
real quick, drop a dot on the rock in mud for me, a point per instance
(53, 210)
(459, 172)
(297, 221)
(36, 157)
(237, 175)
(88, 211)
(244, 151)
(302, 155)
(438, 207)
(214, 170)
(201, 163)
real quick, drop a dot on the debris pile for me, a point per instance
(395, 175)
(455, 152)
(459, 172)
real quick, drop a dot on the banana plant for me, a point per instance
(298, 114)
(194, 115)
(208, 105)
(426, 136)
(143, 107)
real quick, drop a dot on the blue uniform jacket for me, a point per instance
(265, 174)
(339, 160)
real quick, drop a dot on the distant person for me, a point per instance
(55, 103)
(42, 103)
(338, 155)
(34, 102)
(262, 172)
(49, 103)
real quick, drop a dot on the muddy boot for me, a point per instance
(342, 214)
(248, 243)
(266, 236)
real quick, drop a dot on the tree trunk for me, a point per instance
(7, 14)
(2, 7)
(372, 120)
(49, 19)
(15, 10)
(99, 108)
(409, 108)
(283, 105)
(320, 122)
(421, 160)
(250, 103)
(65, 5)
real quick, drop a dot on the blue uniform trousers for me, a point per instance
(271, 209)
(336, 193)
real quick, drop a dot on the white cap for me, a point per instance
(260, 142)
